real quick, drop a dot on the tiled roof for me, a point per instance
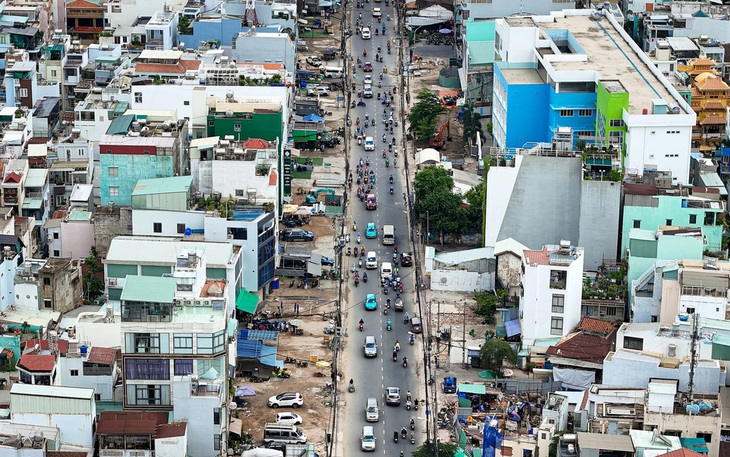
(82, 4)
(102, 356)
(590, 324)
(714, 105)
(190, 64)
(180, 67)
(255, 143)
(712, 83)
(712, 120)
(44, 345)
(682, 452)
(584, 347)
(536, 257)
(640, 189)
(170, 430)
(38, 363)
(130, 422)
(68, 454)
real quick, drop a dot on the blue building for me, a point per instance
(221, 30)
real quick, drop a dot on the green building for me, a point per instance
(611, 101)
(649, 208)
(246, 120)
(479, 63)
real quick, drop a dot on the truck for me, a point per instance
(449, 385)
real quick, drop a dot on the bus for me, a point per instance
(388, 235)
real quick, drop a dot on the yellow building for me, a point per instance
(710, 99)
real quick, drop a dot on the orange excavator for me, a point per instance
(437, 142)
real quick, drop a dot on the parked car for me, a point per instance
(406, 259)
(288, 418)
(416, 325)
(371, 302)
(293, 399)
(392, 396)
(297, 235)
(328, 261)
(314, 61)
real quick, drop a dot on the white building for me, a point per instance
(175, 345)
(71, 236)
(553, 284)
(614, 409)
(91, 367)
(124, 13)
(161, 30)
(266, 47)
(70, 409)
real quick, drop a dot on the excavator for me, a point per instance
(314, 195)
(437, 142)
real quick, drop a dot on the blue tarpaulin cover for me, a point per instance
(312, 118)
(512, 327)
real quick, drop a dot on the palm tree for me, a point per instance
(472, 124)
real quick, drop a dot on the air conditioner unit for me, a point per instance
(207, 303)
(188, 303)
(198, 302)
(177, 302)
(111, 281)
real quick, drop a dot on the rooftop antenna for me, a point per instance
(693, 356)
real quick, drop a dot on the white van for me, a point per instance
(372, 413)
(333, 72)
(279, 433)
(367, 440)
(371, 261)
(386, 270)
(388, 235)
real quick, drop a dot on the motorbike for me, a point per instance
(349, 251)
(352, 105)
(385, 290)
(397, 347)
(413, 436)
(395, 357)
(404, 433)
(357, 280)
(395, 162)
(395, 437)
(415, 404)
(354, 226)
(359, 263)
(387, 164)
(405, 362)
(358, 238)
(385, 139)
(411, 340)
(362, 326)
(395, 151)
(388, 325)
(391, 190)
(408, 408)
(413, 424)
(351, 388)
(365, 277)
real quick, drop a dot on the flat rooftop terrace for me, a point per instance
(613, 59)
(522, 76)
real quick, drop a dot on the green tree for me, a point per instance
(182, 25)
(442, 208)
(494, 352)
(474, 213)
(432, 179)
(487, 304)
(472, 124)
(92, 285)
(427, 450)
(422, 117)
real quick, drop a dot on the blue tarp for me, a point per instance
(512, 327)
(312, 118)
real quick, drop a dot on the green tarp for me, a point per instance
(247, 302)
(478, 389)
(304, 135)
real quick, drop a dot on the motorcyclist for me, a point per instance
(391, 189)
(352, 383)
(362, 324)
(389, 323)
(413, 422)
(408, 395)
(403, 431)
(397, 345)
(405, 360)
(406, 316)
(395, 355)
(391, 179)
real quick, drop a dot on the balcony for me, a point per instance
(205, 388)
(125, 453)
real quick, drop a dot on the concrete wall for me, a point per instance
(509, 271)
(77, 239)
(76, 429)
(143, 221)
(598, 229)
(689, 426)
(110, 222)
(461, 280)
(198, 411)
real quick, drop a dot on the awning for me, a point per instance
(236, 426)
(477, 389)
(314, 265)
(512, 327)
(247, 302)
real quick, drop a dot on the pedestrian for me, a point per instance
(296, 308)
(281, 306)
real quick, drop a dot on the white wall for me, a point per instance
(174, 446)
(501, 183)
(76, 429)
(103, 385)
(143, 221)
(225, 177)
(461, 281)
(518, 43)
(78, 238)
(26, 295)
(7, 282)
(652, 145)
(131, 9)
(265, 47)
(198, 411)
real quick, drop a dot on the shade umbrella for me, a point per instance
(445, 31)
(296, 323)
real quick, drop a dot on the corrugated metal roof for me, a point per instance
(120, 125)
(79, 393)
(608, 442)
(149, 289)
(36, 177)
(162, 185)
(159, 251)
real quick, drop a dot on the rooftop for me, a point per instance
(162, 185)
(130, 422)
(149, 289)
(611, 57)
(102, 356)
(38, 363)
(596, 325)
(620, 443)
(79, 393)
(153, 250)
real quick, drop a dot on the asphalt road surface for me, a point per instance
(373, 375)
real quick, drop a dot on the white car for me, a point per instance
(377, 12)
(369, 144)
(367, 91)
(288, 418)
(293, 399)
(366, 34)
(368, 79)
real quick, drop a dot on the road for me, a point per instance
(373, 375)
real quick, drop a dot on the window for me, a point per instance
(668, 222)
(148, 394)
(637, 223)
(558, 279)
(182, 343)
(113, 191)
(47, 303)
(631, 342)
(97, 397)
(53, 73)
(211, 343)
(558, 303)
(147, 343)
(566, 113)
(556, 326)
(22, 93)
(692, 218)
(616, 123)
(705, 436)
(618, 135)
(180, 228)
(184, 287)
(217, 442)
(113, 172)
(151, 369)
(157, 227)
(56, 253)
(585, 113)
(237, 127)
(138, 97)
(46, 281)
(239, 192)
(55, 235)
(216, 416)
(186, 102)
(211, 123)
(183, 367)
(74, 372)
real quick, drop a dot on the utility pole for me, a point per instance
(428, 227)
(463, 334)
(438, 332)
(448, 352)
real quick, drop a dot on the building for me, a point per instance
(243, 119)
(70, 233)
(597, 444)
(552, 281)
(129, 154)
(53, 284)
(576, 208)
(36, 204)
(651, 443)
(165, 64)
(14, 173)
(71, 409)
(710, 100)
(92, 367)
(84, 20)
(477, 73)
(161, 30)
(465, 270)
(16, 439)
(157, 256)
(94, 114)
(175, 346)
(165, 207)
(256, 45)
(147, 433)
(558, 75)
(615, 410)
